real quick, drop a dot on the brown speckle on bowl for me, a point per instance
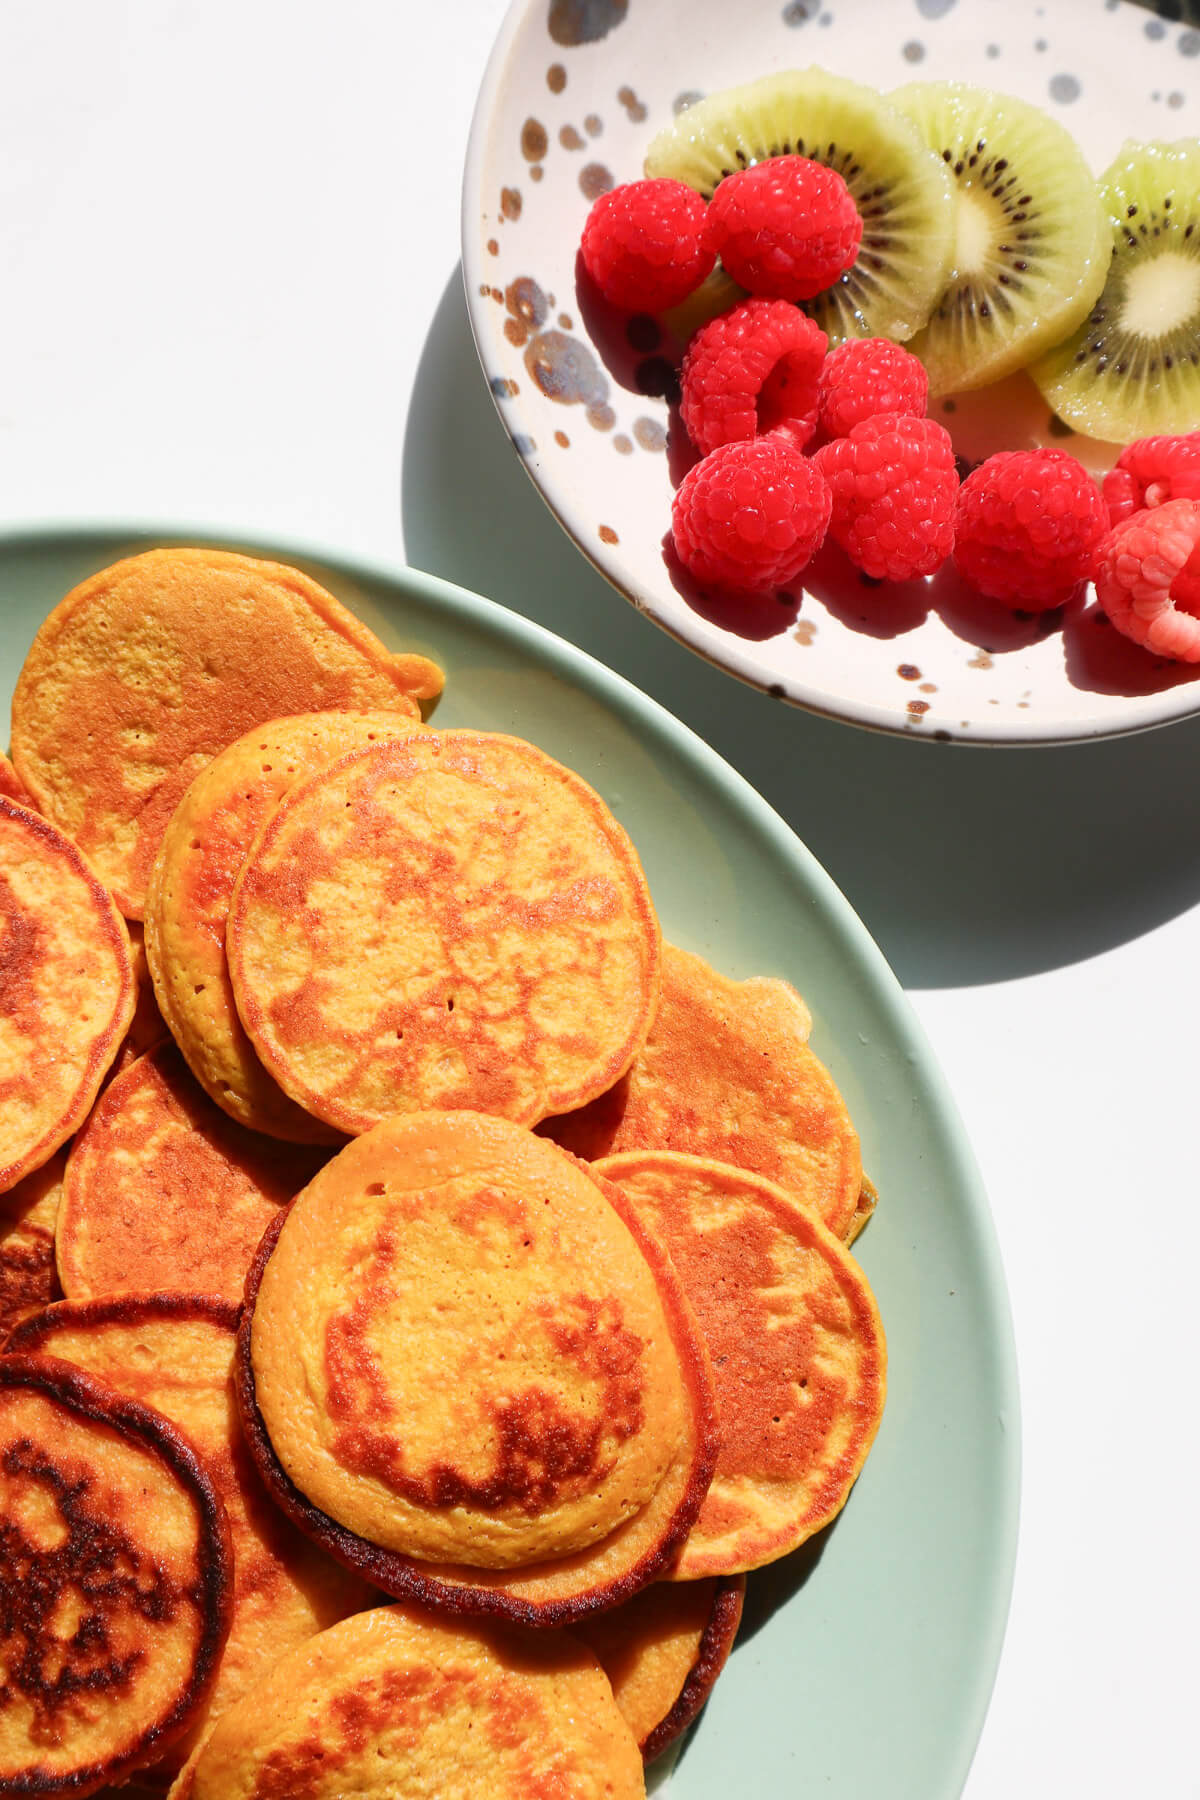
(570, 139)
(929, 687)
(622, 444)
(566, 321)
(536, 172)
(649, 434)
(635, 109)
(584, 21)
(918, 708)
(805, 631)
(565, 370)
(561, 439)
(493, 247)
(556, 78)
(526, 301)
(608, 535)
(908, 672)
(510, 203)
(534, 142)
(593, 124)
(981, 660)
(601, 418)
(594, 180)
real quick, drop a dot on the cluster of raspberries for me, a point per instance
(797, 444)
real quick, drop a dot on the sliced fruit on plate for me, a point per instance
(901, 190)
(1132, 368)
(1031, 237)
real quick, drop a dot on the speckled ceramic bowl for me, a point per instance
(574, 92)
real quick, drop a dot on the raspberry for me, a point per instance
(1148, 578)
(1152, 471)
(786, 228)
(750, 370)
(865, 376)
(893, 482)
(1027, 527)
(750, 515)
(643, 245)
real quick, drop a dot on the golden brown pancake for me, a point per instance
(798, 1352)
(174, 1352)
(11, 785)
(397, 1705)
(147, 1028)
(115, 1580)
(727, 1073)
(187, 904)
(663, 1650)
(452, 920)
(164, 1191)
(868, 1200)
(28, 1277)
(66, 990)
(149, 668)
(466, 1375)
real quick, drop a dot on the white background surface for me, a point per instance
(230, 296)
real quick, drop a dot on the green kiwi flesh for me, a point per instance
(900, 189)
(1031, 237)
(1132, 369)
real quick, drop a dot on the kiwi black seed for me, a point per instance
(1031, 242)
(1132, 368)
(901, 190)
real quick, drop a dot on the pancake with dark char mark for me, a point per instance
(663, 1650)
(468, 1373)
(727, 1072)
(174, 1352)
(163, 1191)
(797, 1347)
(66, 989)
(187, 904)
(452, 920)
(150, 667)
(115, 1580)
(28, 1215)
(398, 1705)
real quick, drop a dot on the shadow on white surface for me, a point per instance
(967, 865)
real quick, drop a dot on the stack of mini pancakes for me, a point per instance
(456, 1300)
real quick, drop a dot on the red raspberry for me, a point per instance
(749, 516)
(1148, 578)
(787, 227)
(865, 376)
(893, 481)
(751, 369)
(1152, 471)
(643, 245)
(1027, 526)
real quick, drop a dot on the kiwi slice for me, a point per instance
(1132, 369)
(902, 191)
(1031, 241)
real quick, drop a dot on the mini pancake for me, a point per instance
(174, 1352)
(115, 1580)
(149, 668)
(66, 990)
(397, 1705)
(11, 785)
(187, 904)
(727, 1073)
(28, 1277)
(797, 1347)
(466, 1374)
(452, 920)
(663, 1650)
(164, 1191)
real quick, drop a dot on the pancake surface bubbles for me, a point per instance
(187, 903)
(798, 1352)
(164, 1191)
(174, 1352)
(726, 1072)
(396, 1705)
(66, 989)
(459, 1351)
(114, 1580)
(453, 920)
(150, 667)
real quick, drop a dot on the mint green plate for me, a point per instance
(866, 1659)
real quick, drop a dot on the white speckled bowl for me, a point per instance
(574, 91)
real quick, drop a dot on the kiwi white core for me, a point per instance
(1161, 294)
(975, 233)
